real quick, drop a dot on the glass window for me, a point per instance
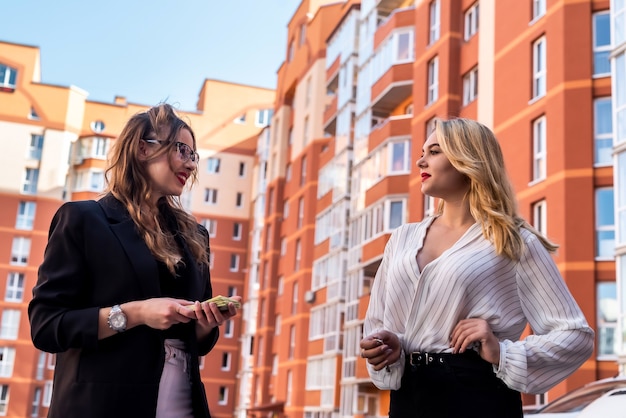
(403, 46)
(210, 196)
(294, 298)
(298, 255)
(603, 130)
(20, 250)
(10, 324)
(539, 68)
(605, 223)
(36, 146)
(400, 157)
(433, 34)
(25, 215)
(226, 361)
(15, 287)
(539, 149)
(540, 217)
(223, 396)
(210, 225)
(470, 86)
(241, 119)
(213, 165)
(300, 212)
(96, 183)
(619, 21)
(7, 359)
(606, 320)
(433, 80)
(539, 8)
(601, 44)
(396, 214)
(237, 231)
(263, 117)
(303, 171)
(31, 178)
(239, 200)
(242, 169)
(99, 147)
(234, 262)
(7, 78)
(471, 22)
(4, 399)
(34, 412)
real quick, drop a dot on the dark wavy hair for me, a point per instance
(128, 180)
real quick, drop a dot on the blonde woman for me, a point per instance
(119, 292)
(454, 293)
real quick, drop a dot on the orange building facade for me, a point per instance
(54, 146)
(340, 174)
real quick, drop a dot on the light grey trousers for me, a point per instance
(174, 390)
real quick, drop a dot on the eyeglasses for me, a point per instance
(185, 153)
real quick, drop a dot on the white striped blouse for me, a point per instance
(469, 280)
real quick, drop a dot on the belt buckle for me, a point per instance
(420, 358)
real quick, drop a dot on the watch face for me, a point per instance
(117, 321)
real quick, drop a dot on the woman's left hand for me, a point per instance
(209, 316)
(476, 330)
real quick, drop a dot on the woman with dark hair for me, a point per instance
(454, 293)
(119, 292)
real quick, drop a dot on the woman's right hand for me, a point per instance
(381, 349)
(158, 313)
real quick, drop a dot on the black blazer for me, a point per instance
(95, 258)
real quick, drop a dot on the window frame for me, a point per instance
(540, 68)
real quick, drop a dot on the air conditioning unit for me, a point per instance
(309, 296)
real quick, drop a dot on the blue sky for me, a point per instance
(152, 50)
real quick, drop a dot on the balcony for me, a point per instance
(330, 116)
(385, 7)
(395, 126)
(395, 86)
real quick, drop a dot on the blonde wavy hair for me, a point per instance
(128, 180)
(474, 151)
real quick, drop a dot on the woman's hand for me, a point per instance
(381, 349)
(209, 316)
(476, 330)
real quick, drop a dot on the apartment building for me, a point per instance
(538, 72)
(54, 146)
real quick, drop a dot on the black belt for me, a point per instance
(420, 358)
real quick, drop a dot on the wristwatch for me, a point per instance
(117, 319)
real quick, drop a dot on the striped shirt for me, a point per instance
(469, 280)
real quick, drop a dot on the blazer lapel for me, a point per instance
(137, 252)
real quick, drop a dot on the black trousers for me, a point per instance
(452, 386)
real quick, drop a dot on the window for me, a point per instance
(240, 120)
(31, 177)
(396, 214)
(603, 131)
(470, 86)
(303, 171)
(10, 324)
(7, 359)
(433, 80)
(33, 114)
(539, 8)
(226, 361)
(99, 147)
(41, 365)
(540, 217)
(305, 131)
(294, 298)
(289, 388)
(20, 251)
(539, 149)
(4, 399)
(606, 321)
(15, 287)
(300, 212)
(228, 328)
(277, 324)
(292, 341)
(213, 165)
(539, 68)
(605, 223)
(430, 126)
(291, 50)
(96, 182)
(234, 262)
(403, 46)
(239, 200)
(471, 22)
(7, 78)
(298, 256)
(25, 215)
(400, 157)
(36, 146)
(223, 397)
(47, 394)
(263, 117)
(601, 44)
(242, 169)
(210, 196)
(237, 231)
(211, 226)
(433, 34)
(302, 37)
(34, 412)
